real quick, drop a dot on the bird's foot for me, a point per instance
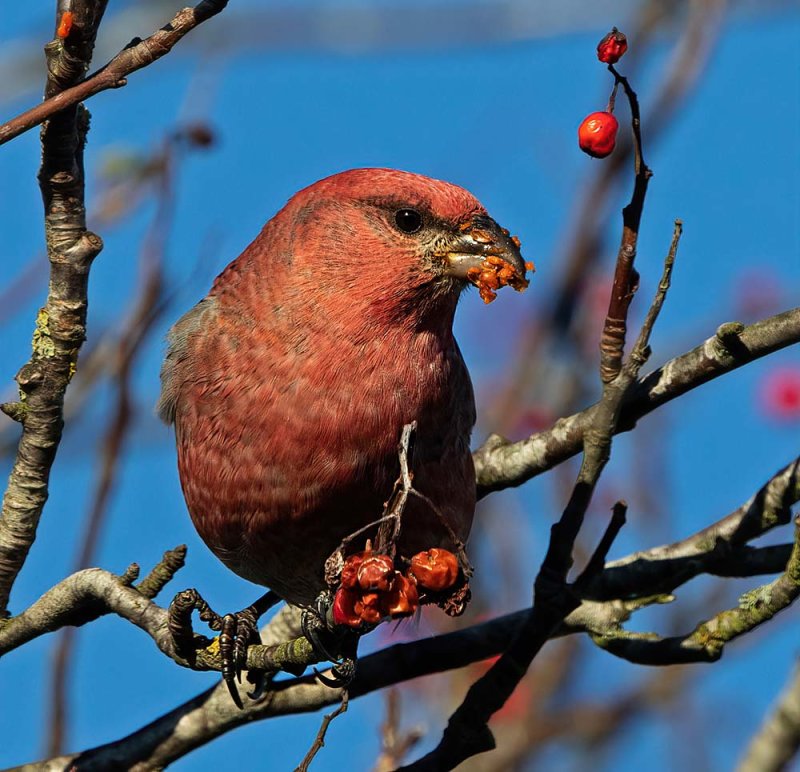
(330, 641)
(236, 632)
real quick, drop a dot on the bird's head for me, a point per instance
(390, 240)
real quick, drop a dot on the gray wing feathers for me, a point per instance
(177, 353)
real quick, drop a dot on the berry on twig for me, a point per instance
(597, 134)
(612, 47)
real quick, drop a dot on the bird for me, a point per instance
(289, 384)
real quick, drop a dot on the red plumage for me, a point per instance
(290, 382)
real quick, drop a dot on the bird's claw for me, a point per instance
(343, 673)
(331, 643)
(322, 639)
(237, 632)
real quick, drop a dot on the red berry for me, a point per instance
(344, 612)
(349, 579)
(435, 570)
(376, 573)
(368, 607)
(597, 134)
(402, 599)
(611, 48)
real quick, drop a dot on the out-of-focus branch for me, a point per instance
(61, 323)
(147, 309)
(138, 54)
(500, 464)
(777, 741)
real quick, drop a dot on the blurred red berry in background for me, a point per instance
(779, 394)
(757, 293)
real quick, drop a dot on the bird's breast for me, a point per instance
(288, 443)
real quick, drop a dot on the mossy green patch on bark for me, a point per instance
(43, 345)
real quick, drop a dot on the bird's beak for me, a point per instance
(483, 250)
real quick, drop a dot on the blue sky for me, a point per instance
(501, 121)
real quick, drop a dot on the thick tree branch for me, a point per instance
(138, 54)
(61, 323)
(212, 713)
(501, 464)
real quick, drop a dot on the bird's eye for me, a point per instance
(408, 220)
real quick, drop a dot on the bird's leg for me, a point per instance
(318, 628)
(236, 632)
(331, 642)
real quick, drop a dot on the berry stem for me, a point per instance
(613, 98)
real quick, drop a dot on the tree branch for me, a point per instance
(61, 323)
(501, 464)
(707, 641)
(212, 713)
(138, 54)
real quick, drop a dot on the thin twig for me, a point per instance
(319, 742)
(598, 559)
(626, 279)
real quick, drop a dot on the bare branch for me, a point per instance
(718, 549)
(707, 641)
(61, 323)
(138, 54)
(501, 464)
(93, 592)
(212, 713)
(319, 742)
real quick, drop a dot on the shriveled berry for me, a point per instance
(597, 134)
(435, 570)
(376, 572)
(344, 611)
(368, 607)
(611, 48)
(402, 599)
(349, 579)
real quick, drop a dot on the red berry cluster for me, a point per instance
(597, 134)
(371, 589)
